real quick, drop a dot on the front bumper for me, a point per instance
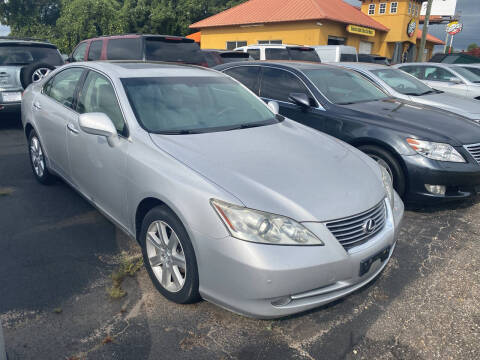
(271, 281)
(461, 179)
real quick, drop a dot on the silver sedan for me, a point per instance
(402, 85)
(229, 201)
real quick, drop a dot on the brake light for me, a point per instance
(173, 38)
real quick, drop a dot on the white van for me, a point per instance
(336, 53)
(280, 52)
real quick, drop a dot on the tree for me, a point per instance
(472, 47)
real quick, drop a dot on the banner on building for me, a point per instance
(360, 30)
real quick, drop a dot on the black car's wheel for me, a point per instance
(169, 256)
(387, 160)
(34, 73)
(38, 160)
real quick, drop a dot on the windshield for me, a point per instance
(402, 82)
(344, 87)
(173, 50)
(18, 54)
(183, 105)
(467, 74)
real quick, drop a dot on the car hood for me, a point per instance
(10, 78)
(285, 168)
(457, 104)
(419, 120)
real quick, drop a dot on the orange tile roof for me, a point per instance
(430, 38)
(197, 37)
(271, 11)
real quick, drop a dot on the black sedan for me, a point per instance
(430, 153)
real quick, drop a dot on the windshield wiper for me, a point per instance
(179, 132)
(420, 94)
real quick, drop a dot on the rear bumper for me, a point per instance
(271, 281)
(10, 107)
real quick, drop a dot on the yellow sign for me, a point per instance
(360, 30)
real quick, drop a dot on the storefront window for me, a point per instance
(266, 42)
(335, 40)
(371, 9)
(383, 8)
(234, 44)
(393, 7)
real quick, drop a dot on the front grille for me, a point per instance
(351, 231)
(474, 150)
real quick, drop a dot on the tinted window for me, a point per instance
(276, 54)
(247, 75)
(98, 95)
(63, 86)
(468, 74)
(95, 50)
(212, 59)
(417, 71)
(124, 49)
(303, 54)
(433, 73)
(79, 53)
(178, 105)
(18, 54)
(349, 57)
(254, 53)
(279, 84)
(175, 50)
(234, 56)
(473, 70)
(344, 87)
(401, 82)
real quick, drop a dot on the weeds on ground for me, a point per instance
(128, 267)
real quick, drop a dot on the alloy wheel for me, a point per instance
(36, 154)
(39, 74)
(166, 256)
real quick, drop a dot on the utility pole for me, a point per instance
(421, 51)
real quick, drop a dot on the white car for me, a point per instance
(280, 52)
(475, 68)
(336, 53)
(445, 77)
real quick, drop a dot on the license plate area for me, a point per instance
(11, 97)
(366, 264)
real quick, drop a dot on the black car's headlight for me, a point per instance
(436, 151)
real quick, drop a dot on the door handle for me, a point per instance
(71, 128)
(37, 106)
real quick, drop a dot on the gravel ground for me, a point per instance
(57, 255)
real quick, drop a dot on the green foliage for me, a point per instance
(67, 22)
(472, 46)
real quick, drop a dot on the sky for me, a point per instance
(470, 14)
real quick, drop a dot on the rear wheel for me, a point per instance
(385, 159)
(38, 160)
(169, 256)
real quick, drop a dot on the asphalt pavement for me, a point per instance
(58, 254)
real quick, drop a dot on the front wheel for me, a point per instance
(385, 159)
(169, 256)
(38, 160)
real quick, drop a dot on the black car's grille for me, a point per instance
(474, 150)
(353, 231)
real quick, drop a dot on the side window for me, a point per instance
(95, 50)
(247, 75)
(62, 86)
(47, 87)
(254, 53)
(433, 73)
(278, 84)
(79, 52)
(98, 95)
(124, 49)
(277, 54)
(417, 71)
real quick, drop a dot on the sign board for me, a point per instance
(412, 26)
(440, 8)
(454, 27)
(360, 30)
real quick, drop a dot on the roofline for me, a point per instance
(27, 39)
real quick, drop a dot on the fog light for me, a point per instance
(436, 189)
(282, 301)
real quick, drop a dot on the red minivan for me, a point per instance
(139, 47)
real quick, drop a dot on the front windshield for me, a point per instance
(183, 105)
(343, 87)
(467, 74)
(402, 82)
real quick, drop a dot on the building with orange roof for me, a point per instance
(384, 27)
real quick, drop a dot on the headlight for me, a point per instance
(388, 185)
(261, 227)
(436, 151)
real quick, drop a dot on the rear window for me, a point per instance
(304, 54)
(277, 54)
(124, 49)
(173, 50)
(348, 57)
(233, 57)
(20, 54)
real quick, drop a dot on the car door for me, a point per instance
(277, 84)
(99, 170)
(443, 79)
(53, 111)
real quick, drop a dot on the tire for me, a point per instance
(34, 73)
(38, 160)
(163, 266)
(385, 158)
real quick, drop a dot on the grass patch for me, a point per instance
(128, 267)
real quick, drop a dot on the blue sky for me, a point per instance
(470, 10)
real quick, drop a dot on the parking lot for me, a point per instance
(57, 255)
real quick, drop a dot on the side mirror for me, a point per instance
(99, 124)
(300, 99)
(273, 105)
(455, 80)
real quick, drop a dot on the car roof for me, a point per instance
(292, 64)
(26, 41)
(279, 46)
(135, 36)
(363, 66)
(133, 69)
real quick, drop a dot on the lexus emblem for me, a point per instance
(368, 226)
